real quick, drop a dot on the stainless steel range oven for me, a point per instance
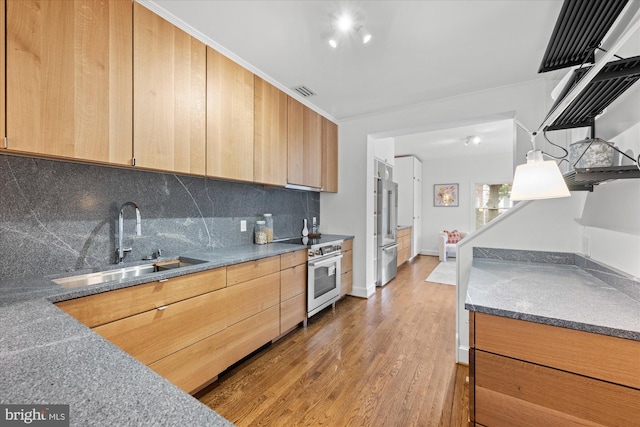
(324, 266)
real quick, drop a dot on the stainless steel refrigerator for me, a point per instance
(387, 224)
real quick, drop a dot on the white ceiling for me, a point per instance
(497, 137)
(420, 51)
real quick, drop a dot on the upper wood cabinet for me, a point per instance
(169, 96)
(304, 145)
(230, 115)
(68, 79)
(329, 156)
(270, 134)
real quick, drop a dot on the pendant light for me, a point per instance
(538, 178)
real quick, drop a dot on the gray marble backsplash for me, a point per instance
(60, 216)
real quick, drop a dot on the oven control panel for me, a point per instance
(324, 250)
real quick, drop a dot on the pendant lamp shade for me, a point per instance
(538, 179)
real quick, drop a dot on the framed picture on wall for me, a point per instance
(445, 195)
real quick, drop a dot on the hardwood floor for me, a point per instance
(385, 361)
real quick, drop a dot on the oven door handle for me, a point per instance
(388, 248)
(324, 261)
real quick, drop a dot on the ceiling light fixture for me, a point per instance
(538, 179)
(364, 34)
(345, 23)
(473, 139)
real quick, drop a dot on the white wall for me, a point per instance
(611, 216)
(385, 149)
(541, 225)
(347, 211)
(466, 171)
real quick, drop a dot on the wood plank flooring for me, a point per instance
(385, 361)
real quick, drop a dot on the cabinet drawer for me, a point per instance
(251, 334)
(404, 232)
(513, 393)
(253, 269)
(195, 366)
(292, 312)
(249, 298)
(347, 245)
(293, 281)
(154, 334)
(292, 259)
(106, 307)
(598, 356)
(347, 261)
(346, 283)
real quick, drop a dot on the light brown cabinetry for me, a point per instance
(154, 334)
(192, 327)
(270, 134)
(230, 118)
(169, 68)
(346, 278)
(68, 79)
(304, 145)
(98, 309)
(529, 374)
(329, 156)
(293, 290)
(404, 245)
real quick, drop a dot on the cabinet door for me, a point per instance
(98, 309)
(295, 142)
(195, 366)
(270, 134)
(329, 156)
(154, 334)
(230, 90)
(304, 145)
(68, 79)
(251, 334)
(252, 297)
(169, 96)
(312, 126)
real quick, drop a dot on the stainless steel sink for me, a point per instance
(122, 273)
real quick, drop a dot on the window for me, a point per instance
(492, 200)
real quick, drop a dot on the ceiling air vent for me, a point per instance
(304, 91)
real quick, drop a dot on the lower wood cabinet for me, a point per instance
(196, 366)
(191, 328)
(251, 334)
(404, 246)
(529, 374)
(154, 334)
(346, 278)
(293, 290)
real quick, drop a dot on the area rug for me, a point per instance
(444, 273)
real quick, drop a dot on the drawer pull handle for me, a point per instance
(162, 308)
(163, 280)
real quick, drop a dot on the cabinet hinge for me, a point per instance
(6, 143)
(133, 161)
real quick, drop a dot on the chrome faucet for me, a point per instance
(120, 251)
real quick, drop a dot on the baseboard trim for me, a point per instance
(429, 252)
(463, 354)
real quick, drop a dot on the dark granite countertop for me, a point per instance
(562, 295)
(48, 357)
